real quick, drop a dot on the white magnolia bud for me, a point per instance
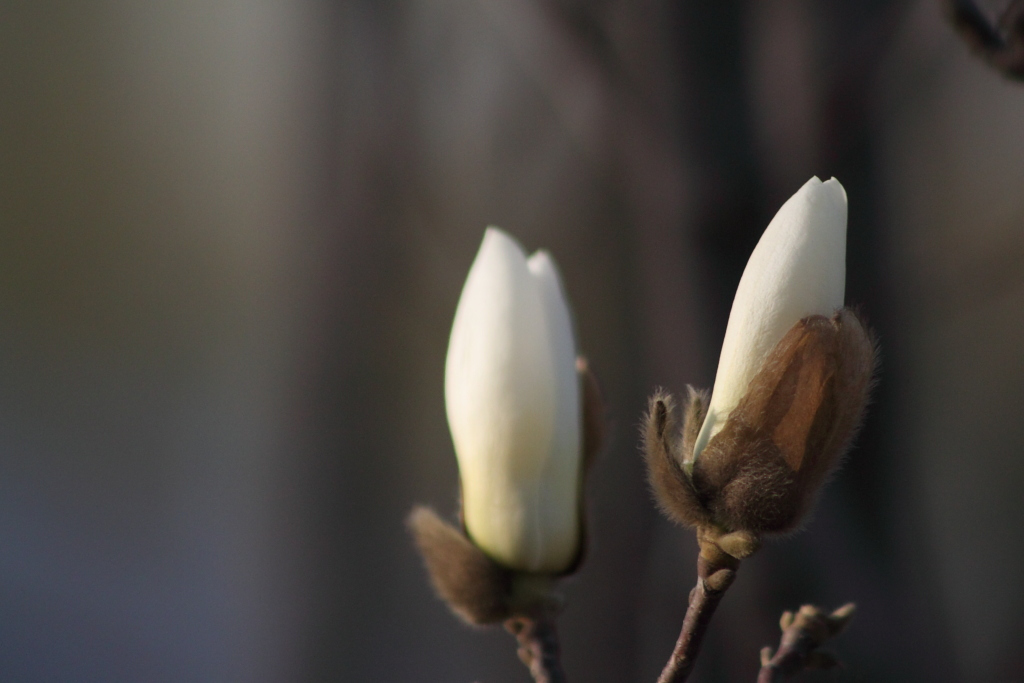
(513, 401)
(797, 269)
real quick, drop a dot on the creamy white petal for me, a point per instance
(798, 268)
(559, 504)
(505, 383)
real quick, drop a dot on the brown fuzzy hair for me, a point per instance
(476, 588)
(664, 446)
(762, 472)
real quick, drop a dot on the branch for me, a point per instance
(802, 634)
(714, 576)
(538, 646)
(1001, 46)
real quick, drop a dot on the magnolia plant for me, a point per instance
(792, 385)
(525, 417)
(793, 380)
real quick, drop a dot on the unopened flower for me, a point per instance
(513, 401)
(792, 383)
(797, 269)
(526, 418)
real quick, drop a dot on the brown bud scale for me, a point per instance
(476, 588)
(762, 472)
(672, 488)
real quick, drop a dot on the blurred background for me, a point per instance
(232, 237)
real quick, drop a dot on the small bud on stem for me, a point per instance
(803, 634)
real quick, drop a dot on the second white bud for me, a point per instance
(797, 269)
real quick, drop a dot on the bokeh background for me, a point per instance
(232, 237)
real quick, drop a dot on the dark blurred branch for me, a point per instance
(538, 646)
(1002, 46)
(714, 576)
(802, 634)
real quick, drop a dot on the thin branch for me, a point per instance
(538, 647)
(1002, 45)
(714, 576)
(802, 634)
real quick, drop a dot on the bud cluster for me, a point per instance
(748, 459)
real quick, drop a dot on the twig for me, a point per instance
(538, 646)
(802, 635)
(714, 576)
(1001, 46)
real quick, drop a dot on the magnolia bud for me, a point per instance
(792, 383)
(513, 402)
(797, 269)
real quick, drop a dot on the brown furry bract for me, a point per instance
(762, 472)
(476, 588)
(664, 447)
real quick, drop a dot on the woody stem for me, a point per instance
(538, 646)
(714, 576)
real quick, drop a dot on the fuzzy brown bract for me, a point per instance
(761, 473)
(664, 449)
(476, 587)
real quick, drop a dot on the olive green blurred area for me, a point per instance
(232, 238)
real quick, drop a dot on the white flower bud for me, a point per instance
(513, 401)
(797, 269)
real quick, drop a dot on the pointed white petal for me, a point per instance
(559, 497)
(798, 268)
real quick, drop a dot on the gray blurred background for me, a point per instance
(232, 237)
